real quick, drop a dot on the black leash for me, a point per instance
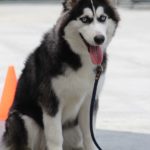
(99, 71)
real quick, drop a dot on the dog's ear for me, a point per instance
(69, 4)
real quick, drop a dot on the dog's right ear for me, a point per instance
(69, 4)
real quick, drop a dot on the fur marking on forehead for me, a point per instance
(93, 7)
(88, 12)
(99, 11)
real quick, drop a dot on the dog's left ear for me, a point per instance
(69, 4)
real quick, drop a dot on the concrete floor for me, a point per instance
(123, 121)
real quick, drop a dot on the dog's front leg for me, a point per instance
(84, 125)
(53, 131)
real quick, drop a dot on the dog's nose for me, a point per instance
(99, 39)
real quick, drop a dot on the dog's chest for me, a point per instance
(71, 89)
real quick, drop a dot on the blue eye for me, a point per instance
(86, 19)
(102, 18)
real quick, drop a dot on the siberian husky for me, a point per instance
(52, 100)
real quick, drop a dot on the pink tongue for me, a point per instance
(96, 54)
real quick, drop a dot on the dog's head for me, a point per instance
(90, 25)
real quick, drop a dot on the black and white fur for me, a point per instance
(52, 100)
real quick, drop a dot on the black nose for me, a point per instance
(99, 39)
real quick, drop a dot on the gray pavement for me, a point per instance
(123, 121)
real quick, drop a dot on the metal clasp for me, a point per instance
(99, 71)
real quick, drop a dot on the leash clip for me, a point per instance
(99, 71)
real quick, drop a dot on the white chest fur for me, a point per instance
(72, 88)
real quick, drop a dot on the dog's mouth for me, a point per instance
(96, 53)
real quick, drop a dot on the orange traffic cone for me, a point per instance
(8, 93)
